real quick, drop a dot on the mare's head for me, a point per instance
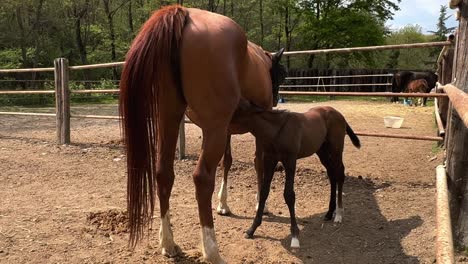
(278, 74)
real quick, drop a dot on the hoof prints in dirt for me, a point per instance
(111, 221)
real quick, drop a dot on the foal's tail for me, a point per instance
(152, 64)
(352, 136)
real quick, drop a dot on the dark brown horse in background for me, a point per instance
(195, 60)
(288, 136)
(401, 80)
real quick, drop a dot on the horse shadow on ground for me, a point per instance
(365, 236)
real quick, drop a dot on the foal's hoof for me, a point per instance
(328, 216)
(295, 243)
(171, 252)
(249, 234)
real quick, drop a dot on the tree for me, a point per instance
(442, 30)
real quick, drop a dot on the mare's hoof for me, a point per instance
(223, 211)
(171, 252)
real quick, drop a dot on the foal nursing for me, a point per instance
(288, 136)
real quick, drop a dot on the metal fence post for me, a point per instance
(62, 100)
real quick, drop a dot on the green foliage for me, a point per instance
(35, 32)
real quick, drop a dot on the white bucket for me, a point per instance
(393, 121)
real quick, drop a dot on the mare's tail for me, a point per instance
(352, 136)
(152, 63)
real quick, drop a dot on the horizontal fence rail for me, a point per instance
(29, 92)
(339, 76)
(384, 135)
(333, 85)
(372, 48)
(27, 70)
(459, 100)
(96, 66)
(379, 94)
(27, 114)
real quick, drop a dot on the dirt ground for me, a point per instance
(66, 204)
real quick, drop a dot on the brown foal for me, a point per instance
(288, 136)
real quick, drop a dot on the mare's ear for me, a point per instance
(276, 58)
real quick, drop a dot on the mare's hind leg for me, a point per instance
(223, 208)
(269, 167)
(170, 116)
(214, 141)
(290, 198)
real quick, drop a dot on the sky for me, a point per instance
(421, 12)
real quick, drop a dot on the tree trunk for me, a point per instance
(211, 5)
(110, 23)
(287, 32)
(232, 8)
(262, 36)
(457, 137)
(130, 18)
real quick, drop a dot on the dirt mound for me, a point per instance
(111, 221)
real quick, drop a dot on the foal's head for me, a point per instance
(278, 74)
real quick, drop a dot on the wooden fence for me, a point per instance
(456, 142)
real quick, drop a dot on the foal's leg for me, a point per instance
(290, 198)
(223, 208)
(170, 116)
(340, 176)
(269, 167)
(259, 167)
(326, 160)
(214, 142)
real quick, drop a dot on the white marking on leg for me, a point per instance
(339, 215)
(223, 208)
(166, 240)
(210, 247)
(295, 243)
(265, 209)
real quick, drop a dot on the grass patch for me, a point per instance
(436, 148)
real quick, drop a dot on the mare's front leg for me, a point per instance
(269, 169)
(290, 199)
(214, 142)
(223, 208)
(259, 169)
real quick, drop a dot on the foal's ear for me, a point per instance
(276, 58)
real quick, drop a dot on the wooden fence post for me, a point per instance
(62, 100)
(333, 88)
(457, 136)
(181, 139)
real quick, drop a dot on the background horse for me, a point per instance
(194, 60)
(417, 86)
(403, 78)
(286, 137)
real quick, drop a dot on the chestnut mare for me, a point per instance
(288, 136)
(194, 60)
